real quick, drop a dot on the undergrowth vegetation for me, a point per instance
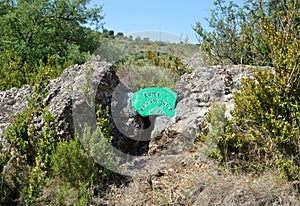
(26, 161)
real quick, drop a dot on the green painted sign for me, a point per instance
(154, 101)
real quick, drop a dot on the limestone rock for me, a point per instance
(12, 102)
(196, 92)
(59, 101)
(60, 94)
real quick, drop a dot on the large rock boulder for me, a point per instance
(101, 75)
(60, 94)
(196, 93)
(66, 95)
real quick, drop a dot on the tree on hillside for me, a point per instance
(33, 30)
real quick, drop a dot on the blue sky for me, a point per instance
(174, 16)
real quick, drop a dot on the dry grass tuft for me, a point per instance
(197, 181)
(223, 189)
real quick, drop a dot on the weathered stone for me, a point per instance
(196, 92)
(65, 95)
(59, 99)
(12, 102)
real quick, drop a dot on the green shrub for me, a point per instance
(37, 43)
(168, 61)
(211, 133)
(236, 35)
(97, 143)
(265, 130)
(38, 160)
(154, 67)
(32, 31)
(68, 195)
(71, 164)
(75, 172)
(14, 72)
(30, 161)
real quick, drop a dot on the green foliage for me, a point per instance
(149, 76)
(97, 142)
(67, 195)
(5, 191)
(33, 30)
(30, 162)
(265, 130)
(135, 57)
(223, 43)
(111, 33)
(169, 61)
(237, 35)
(39, 162)
(15, 73)
(217, 121)
(72, 164)
(148, 64)
(103, 122)
(41, 38)
(74, 171)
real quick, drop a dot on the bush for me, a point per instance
(36, 162)
(28, 165)
(75, 173)
(71, 164)
(14, 72)
(237, 34)
(154, 67)
(265, 130)
(211, 133)
(37, 42)
(97, 143)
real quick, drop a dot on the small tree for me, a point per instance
(40, 38)
(34, 29)
(120, 34)
(105, 31)
(237, 36)
(111, 33)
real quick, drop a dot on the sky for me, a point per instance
(176, 17)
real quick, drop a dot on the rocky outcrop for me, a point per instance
(60, 94)
(66, 95)
(61, 91)
(196, 93)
